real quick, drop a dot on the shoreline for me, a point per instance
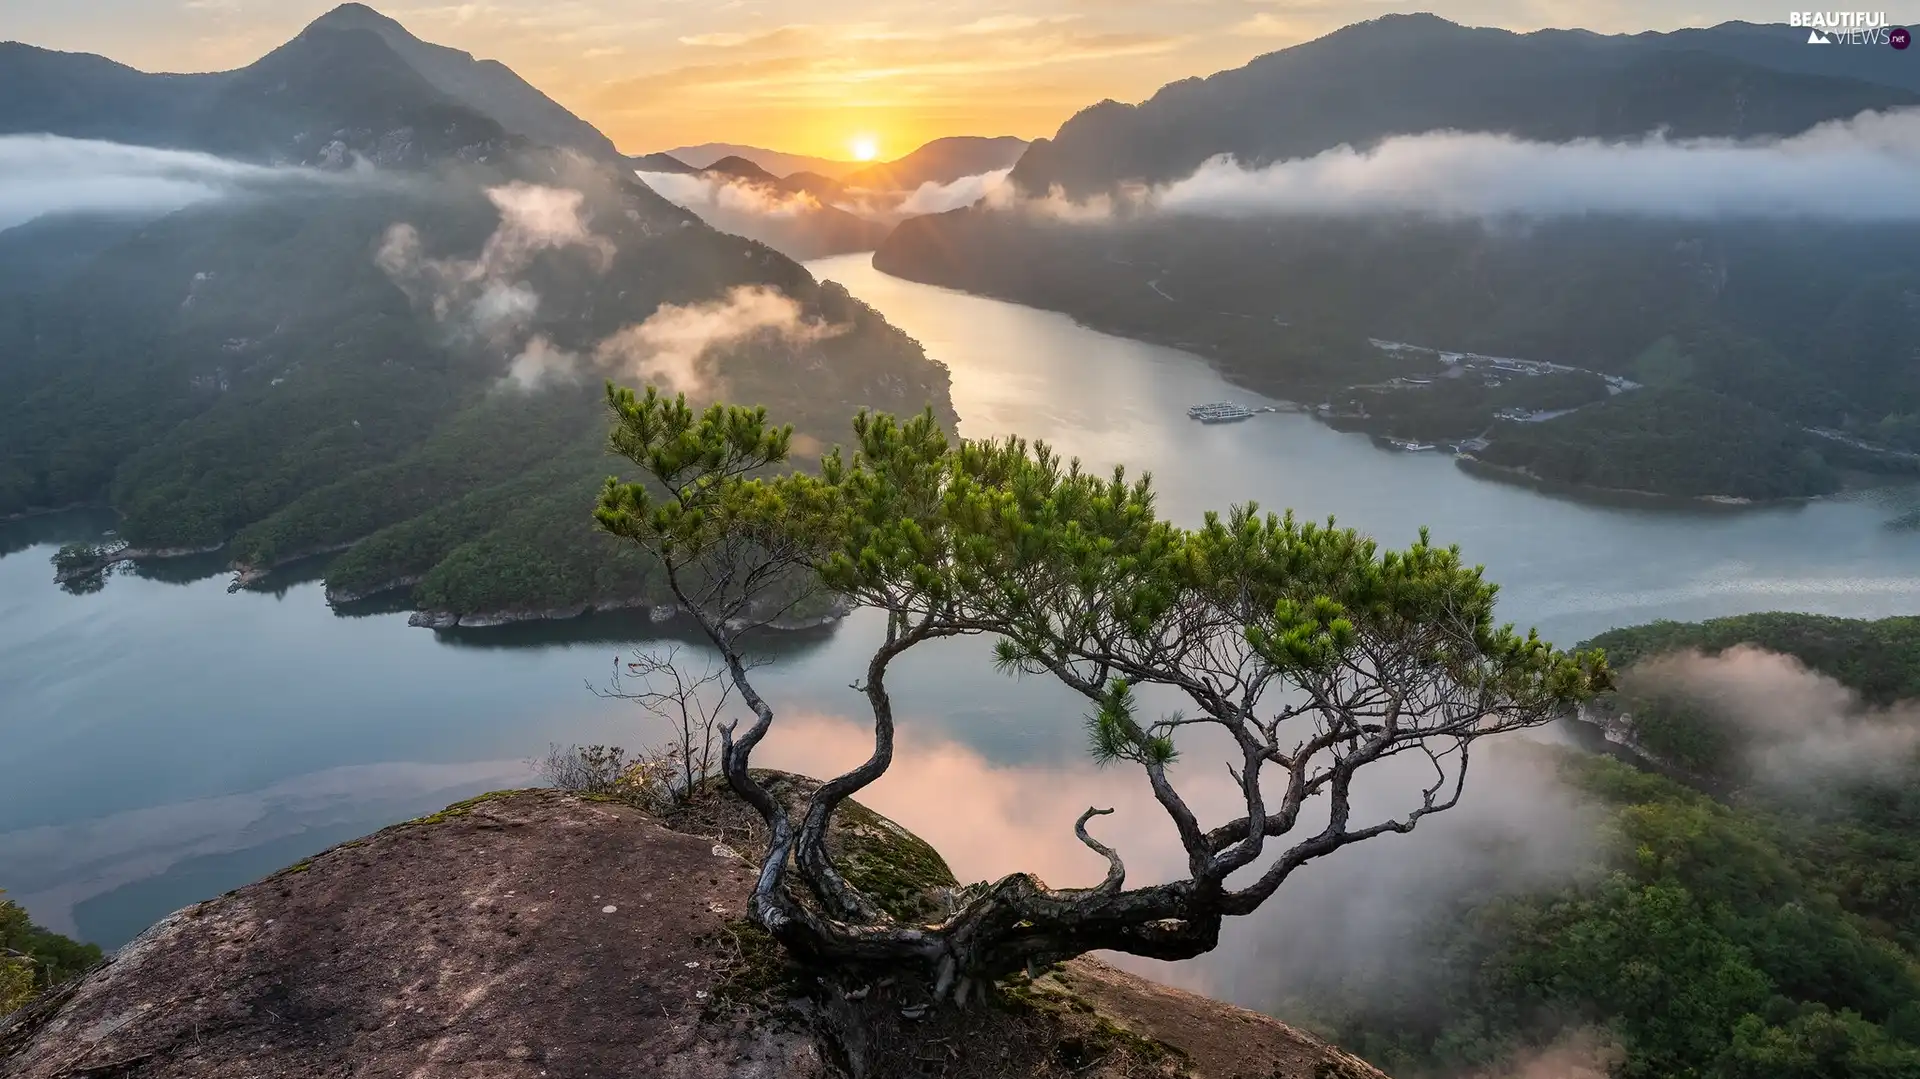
(336, 597)
(106, 562)
(1274, 390)
(658, 613)
(247, 573)
(49, 511)
(1522, 477)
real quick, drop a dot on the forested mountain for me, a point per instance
(797, 215)
(1781, 49)
(739, 168)
(408, 355)
(486, 86)
(353, 68)
(776, 162)
(91, 97)
(1406, 74)
(1760, 324)
(939, 161)
(273, 110)
(1756, 922)
(660, 163)
(820, 187)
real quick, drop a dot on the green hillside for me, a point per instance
(1761, 932)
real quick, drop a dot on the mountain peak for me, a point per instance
(485, 85)
(1405, 27)
(735, 165)
(356, 17)
(1402, 18)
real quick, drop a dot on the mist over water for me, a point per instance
(721, 197)
(727, 202)
(236, 733)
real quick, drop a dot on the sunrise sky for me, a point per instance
(816, 77)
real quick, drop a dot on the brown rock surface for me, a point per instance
(542, 934)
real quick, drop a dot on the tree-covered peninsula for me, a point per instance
(383, 323)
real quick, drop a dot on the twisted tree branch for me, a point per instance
(1116, 869)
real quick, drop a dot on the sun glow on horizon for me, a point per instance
(865, 147)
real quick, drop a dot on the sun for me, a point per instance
(865, 147)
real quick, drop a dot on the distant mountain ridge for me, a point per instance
(740, 168)
(796, 216)
(1405, 74)
(352, 67)
(1783, 48)
(660, 163)
(777, 162)
(323, 87)
(807, 214)
(941, 161)
(86, 96)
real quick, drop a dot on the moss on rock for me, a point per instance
(898, 870)
(462, 808)
(757, 972)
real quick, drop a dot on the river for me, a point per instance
(165, 741)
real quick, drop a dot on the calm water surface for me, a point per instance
(165, 741)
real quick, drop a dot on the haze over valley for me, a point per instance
(841, 378)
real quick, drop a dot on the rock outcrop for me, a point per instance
(538, 933)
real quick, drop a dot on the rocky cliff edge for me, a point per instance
(539, 933)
